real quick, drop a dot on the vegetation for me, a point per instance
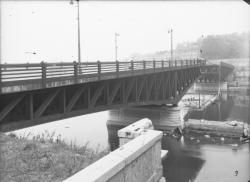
(235, 45)
(226, 46)
(43, 158)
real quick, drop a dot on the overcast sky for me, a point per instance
(50, 28)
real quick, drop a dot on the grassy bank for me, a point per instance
(42, 158)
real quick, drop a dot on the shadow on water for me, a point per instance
(182, 164)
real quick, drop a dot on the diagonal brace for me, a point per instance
(96, 95)
(74, 99)
(140, 88)
(150, 88)
(129, 89)
(10, 106)
(114, 92)
(45, 104)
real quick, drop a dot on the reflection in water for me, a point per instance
(217, 111)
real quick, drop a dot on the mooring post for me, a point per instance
(43, 67)
(75, 71)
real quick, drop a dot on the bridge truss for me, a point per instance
(160, 85)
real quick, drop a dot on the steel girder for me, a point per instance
(29, 108)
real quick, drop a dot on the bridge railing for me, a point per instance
(44, 73)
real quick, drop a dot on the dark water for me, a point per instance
(198, 158)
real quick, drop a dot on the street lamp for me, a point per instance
(171, 35)
(116, 47)
(78, 32)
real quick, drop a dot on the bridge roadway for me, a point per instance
(33, 94)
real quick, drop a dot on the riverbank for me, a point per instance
(44, 158)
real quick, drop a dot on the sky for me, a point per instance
(49, 28)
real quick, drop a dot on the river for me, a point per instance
(193, 158)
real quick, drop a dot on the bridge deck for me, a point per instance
(21, 77)
(33, 94)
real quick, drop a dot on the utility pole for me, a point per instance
(171, 35)
(219, 90)
(116, 47)
(200, 45)
(78, 33)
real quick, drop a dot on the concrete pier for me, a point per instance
(162, 117)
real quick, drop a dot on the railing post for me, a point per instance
(162, 64)
(0, 78)
(181, 63)
(99, 69)
(43, 67)
(175, 63)
(117, 69)
(75, 71)
(144, 65)
(186, 62)
(154, 65)
(169, 64)
(132, 66)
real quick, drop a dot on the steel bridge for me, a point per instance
(215, 72)
(32, 94)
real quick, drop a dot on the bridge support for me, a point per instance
(163, 117)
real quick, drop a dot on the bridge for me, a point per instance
(215, 72)
(32, 94)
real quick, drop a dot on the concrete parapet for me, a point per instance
(139, 160)
(133, 130)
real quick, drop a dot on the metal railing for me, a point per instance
(43, 72)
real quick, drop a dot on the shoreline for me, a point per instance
(43, 158)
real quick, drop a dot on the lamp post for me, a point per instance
(171, 35)
(116, 47)
(78, 33)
